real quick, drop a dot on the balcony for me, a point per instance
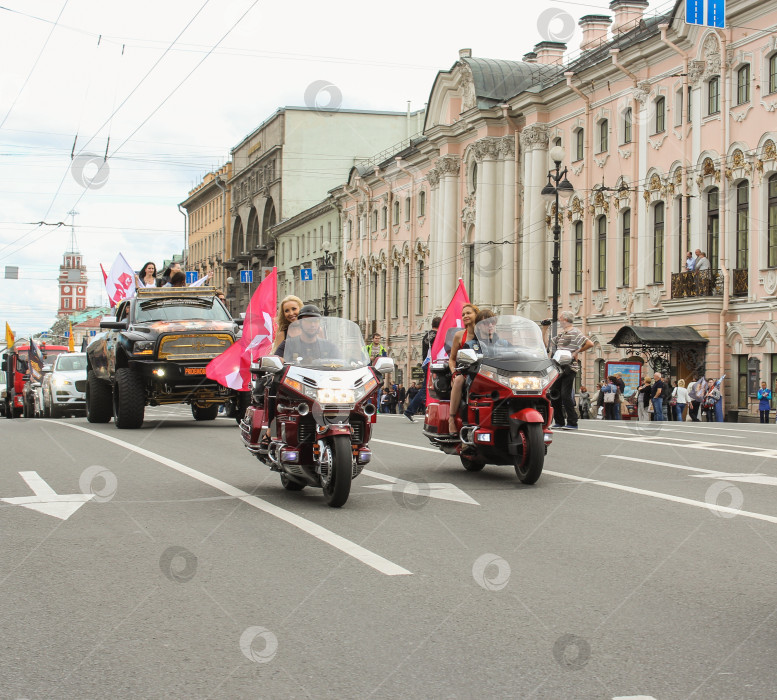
(707, 283)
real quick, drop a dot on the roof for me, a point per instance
(496, 80)
(667, 335)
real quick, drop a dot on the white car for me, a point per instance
(2, 392)
(64, 385)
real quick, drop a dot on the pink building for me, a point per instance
(669, 134)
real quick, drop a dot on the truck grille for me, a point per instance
(193, 347)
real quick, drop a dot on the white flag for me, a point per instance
(120, 281)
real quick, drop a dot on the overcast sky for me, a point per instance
(167, 88)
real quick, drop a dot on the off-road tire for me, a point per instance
(99, 400)
(205, 412)
(129, 399)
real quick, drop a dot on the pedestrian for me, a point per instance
(571, 339)
(711, 398)
(375, 349)
(764, 402)
(657, 397)
(680, 395)
(147, 276)
(696, 395)
(611, 400)
(418, 402)
(719, 402)
(584, 404)
(412, 390)
(671, 401)
(401, 396)
(643, 399)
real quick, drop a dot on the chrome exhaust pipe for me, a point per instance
(369, 409)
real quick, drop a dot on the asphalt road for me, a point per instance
(642, 564)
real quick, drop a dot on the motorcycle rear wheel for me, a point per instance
(337, 461)
(528, 465)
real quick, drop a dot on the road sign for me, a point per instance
(709, 13)
(306, 274)
(192, 276)
(67, 334)
(92, 333)
(247, 276)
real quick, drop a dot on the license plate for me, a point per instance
(194, 370)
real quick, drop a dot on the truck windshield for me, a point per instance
(180, 310)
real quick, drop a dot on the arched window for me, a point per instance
(579, 256)
(407, 289)
(713, 227)
(627, 122)
(658, 242)
(579, 144)
(601, 244)
(395, 213)
(384, 217)
(422, 203)
(743, 84)
(420, 287)
(713, 95)
(626, 248)
(773, 74)
(772, 204)
(395, 273)
(474, 177)
(384, 290)
(374, 296)
(743, 216)
(374, 221)
(407, 208)
(604, 128)
(349, 229)
(660, 115)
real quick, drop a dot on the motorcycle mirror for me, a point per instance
(268, 363)
(384, 365)
(466, 357)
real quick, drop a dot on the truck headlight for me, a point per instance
(143, 347)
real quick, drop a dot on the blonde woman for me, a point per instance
(469, 314)
(288, 311)
(680, 394)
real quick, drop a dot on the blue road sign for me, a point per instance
(710, 13)
(67, 334)
(192, 276)
(246, 276)
(92, 333)
(306, 274)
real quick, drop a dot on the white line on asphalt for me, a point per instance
(666, 497)
(674, 425)
(665, 464)
(352, 549)
(402, 444)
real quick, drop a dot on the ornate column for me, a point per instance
(449, 167)
(534, 249)
(486, 153)
(504, 299)
(436, 205)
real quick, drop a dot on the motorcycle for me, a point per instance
(312, 411)
(506, 415)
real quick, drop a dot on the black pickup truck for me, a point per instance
(155, 352)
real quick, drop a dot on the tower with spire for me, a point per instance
(72, 277)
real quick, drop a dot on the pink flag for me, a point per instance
(232, 367)
(450, 319)
(120, 281)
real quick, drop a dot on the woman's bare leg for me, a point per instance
(456, 389)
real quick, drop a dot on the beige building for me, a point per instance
(207, 207)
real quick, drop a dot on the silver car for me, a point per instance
(64, 385)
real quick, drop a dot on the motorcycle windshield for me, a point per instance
(510, 337)
(325, 342)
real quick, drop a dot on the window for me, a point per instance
(601, 229)
(772, 194)
(579, 256)
(678, 108)
(603, 133)
(422, 203)
(626, 250)
(660, 115)
(66, 303)
(474, 177)
(741, 381)
(358, 296)
(79, 303)
(407, 289)
(374, 296)
(395, 272)
(743, 84)
(743, 202)
(407, 208)
(384, 217)
(349, 229)
(658, 242)
(420, 287)
(348, 295)
(690, 96)
(395, 213)
(627, 121)
(713, 96)
(471, 268)
(374, 221)
(713, 227)
(384, 288)
(773, 74)
(579, 144)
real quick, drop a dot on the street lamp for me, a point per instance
(558, 186)
(326, 265)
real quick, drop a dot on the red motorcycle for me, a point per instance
(506, 414)
(312, 411)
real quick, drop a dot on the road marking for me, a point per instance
(666, 497)
(352, 549)
(762, 479)
(664, 464)
(46, 500)
(446, 492)
(402, 444)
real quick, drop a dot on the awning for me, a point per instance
(630, 336)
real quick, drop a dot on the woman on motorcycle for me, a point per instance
(469, 316)
(288, 311)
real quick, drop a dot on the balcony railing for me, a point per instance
(707, 283)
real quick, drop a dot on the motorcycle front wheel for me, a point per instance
(336, 462)
(528, 465)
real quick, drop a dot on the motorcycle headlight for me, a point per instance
(531, 382)
(344, 396)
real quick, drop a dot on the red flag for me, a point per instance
(232, 367)
(450, 319)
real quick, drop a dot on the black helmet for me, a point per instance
(308, 311)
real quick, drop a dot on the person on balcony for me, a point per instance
(702, 262)
(690, 261)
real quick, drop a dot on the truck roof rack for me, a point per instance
(202, 291)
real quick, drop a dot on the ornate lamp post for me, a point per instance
(325, 265)
(558, 186)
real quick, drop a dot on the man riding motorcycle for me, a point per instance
(308, 343)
